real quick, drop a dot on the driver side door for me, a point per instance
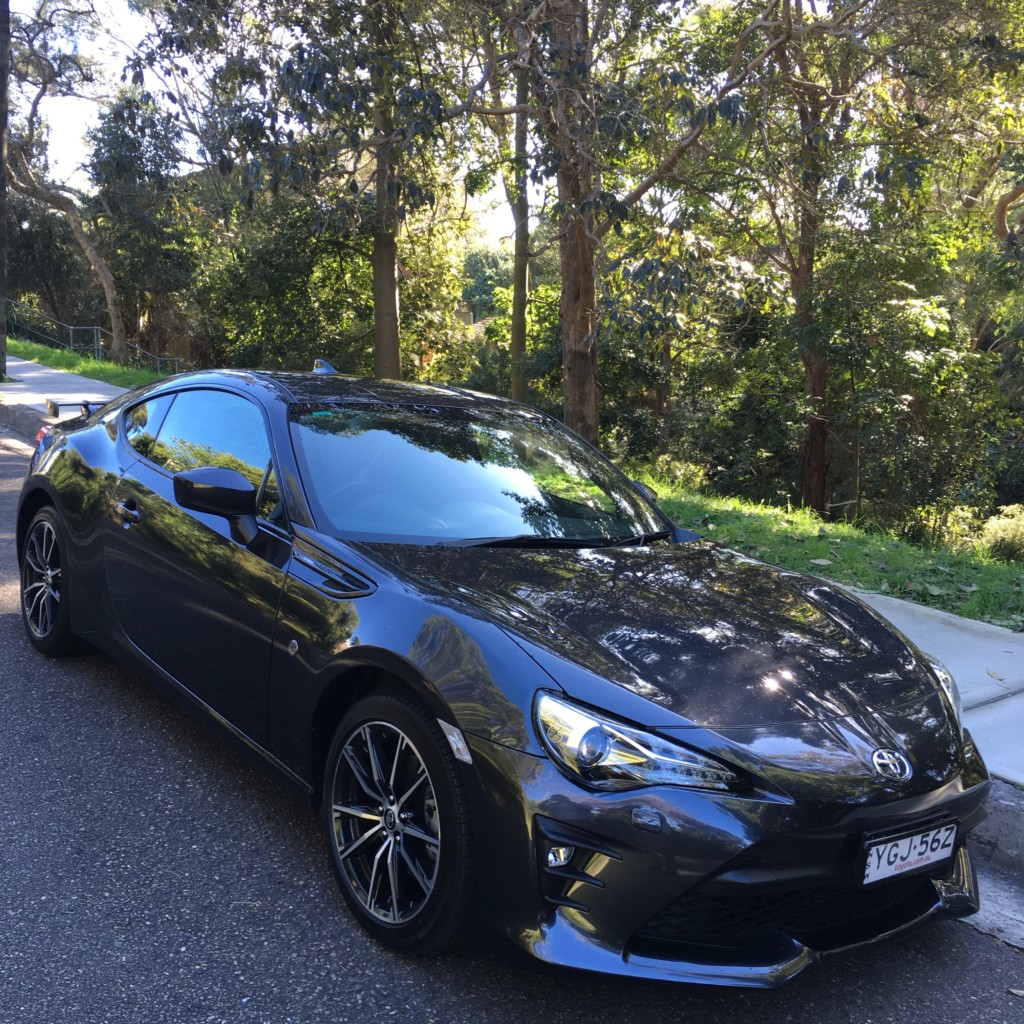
(192, 598)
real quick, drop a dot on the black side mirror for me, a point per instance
(219, 491)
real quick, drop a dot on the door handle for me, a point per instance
(128, 513)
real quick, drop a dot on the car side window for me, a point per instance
(217, 428)
(142, 422)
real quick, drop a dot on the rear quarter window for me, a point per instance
(142, 424)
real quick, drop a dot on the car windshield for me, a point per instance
(438, 474)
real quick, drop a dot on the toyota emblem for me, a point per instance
(892, 764)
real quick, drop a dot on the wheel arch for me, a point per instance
(32, 501)
(376, 670)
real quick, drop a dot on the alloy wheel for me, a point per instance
(386, 827)
(41, 579)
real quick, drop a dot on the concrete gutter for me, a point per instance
(1000, 838)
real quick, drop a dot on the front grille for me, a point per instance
(818, 917)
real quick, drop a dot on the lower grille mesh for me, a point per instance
(804, 915)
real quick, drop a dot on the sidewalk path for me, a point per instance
(23, 403)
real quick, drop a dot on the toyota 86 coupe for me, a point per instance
(515, 689)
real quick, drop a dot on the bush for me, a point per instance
(953, 527)
(667, 475)
(1003, 534)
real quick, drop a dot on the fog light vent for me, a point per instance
(564, 857)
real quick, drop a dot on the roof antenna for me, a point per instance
(322, 366)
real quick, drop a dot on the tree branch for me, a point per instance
(1006, 200)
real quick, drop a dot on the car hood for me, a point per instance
(699, 632)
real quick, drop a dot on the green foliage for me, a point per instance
(491, 367)
(283, 292)
(845, 213)
(308, 90)
(1003, 535)
(486, 270)
(436, 343)
(738, 411)
(45, 266)
(139, 222)
(969, 583)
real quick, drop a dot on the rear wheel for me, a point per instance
(44, 601)
(398, 824)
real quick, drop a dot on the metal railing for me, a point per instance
(151, 361)
(32, 325)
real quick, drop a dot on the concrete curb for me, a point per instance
(23, 419)
(999, 839)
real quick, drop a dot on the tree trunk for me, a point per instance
(387, 359)
(579, 348)
(813, 350)
(815, 462)
(519, 200)
(578, 241)
(5, 74)
(662, 395)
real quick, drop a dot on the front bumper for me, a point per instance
(771, 957)
(702, 887)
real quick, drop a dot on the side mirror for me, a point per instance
(223, 492)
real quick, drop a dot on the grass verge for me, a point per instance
(86, 366)
(971, 584)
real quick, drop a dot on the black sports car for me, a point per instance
(514, 687)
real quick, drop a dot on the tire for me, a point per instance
(44, 598)
(398, 824)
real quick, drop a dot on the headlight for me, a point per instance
(607, 754)
(948, 684)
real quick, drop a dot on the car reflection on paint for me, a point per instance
(517, 691)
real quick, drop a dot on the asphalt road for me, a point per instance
(148, 874)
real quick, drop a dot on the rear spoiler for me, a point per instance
(53, 408)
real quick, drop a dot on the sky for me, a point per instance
(69, 118)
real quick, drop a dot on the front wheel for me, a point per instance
(398, 824)
(44, 597)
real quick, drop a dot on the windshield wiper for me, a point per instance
(639, 539)
(531, 540)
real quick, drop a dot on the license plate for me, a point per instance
(890, 857)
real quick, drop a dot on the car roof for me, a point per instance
(337, 388)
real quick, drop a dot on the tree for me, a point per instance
(136, 153)
(830, 137)
(343, 103)
(508, 118)
(5, 75)
(47, 269)
(46, 62)
(594, 96)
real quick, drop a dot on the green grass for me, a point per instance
(96, 369)
(971, 584)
